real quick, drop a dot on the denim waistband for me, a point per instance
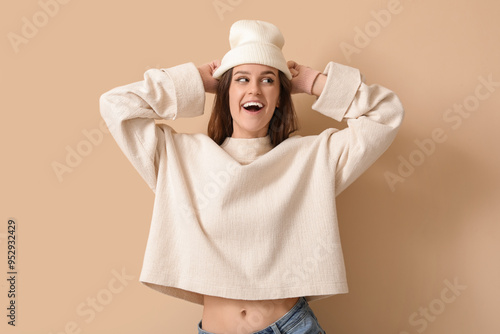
(288, 320)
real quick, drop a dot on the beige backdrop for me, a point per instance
(420, 229)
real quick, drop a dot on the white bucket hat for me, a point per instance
(254, 42)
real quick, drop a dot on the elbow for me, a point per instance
(399, 112)
(395, 111)
(106, 105)
(107, 110)
(103, 106)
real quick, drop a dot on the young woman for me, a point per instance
(244, 220)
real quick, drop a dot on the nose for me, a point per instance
(254, 88)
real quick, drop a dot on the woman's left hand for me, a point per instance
(303, 77)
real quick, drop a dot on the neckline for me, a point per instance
(247, 150)
(264, 140)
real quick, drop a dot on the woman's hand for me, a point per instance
(206, 72)
(303, 77)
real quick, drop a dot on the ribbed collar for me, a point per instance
(246, 150)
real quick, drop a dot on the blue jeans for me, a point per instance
(299, 320)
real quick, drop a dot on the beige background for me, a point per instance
(437, 224)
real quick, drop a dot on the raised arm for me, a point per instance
(130, 112)
(373, 113)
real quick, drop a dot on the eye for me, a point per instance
(268, 80)
(241, 79)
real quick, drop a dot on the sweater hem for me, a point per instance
(194, 293)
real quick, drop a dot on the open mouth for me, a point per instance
(253, 106)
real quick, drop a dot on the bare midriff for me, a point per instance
(236, 316)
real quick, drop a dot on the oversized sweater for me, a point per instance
(244, 220)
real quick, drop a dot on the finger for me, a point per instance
(216, 63)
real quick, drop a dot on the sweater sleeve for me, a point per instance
(130, 112)
(373, 113)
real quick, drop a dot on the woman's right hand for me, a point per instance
(206, 72)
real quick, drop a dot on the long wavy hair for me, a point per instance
(282, 124)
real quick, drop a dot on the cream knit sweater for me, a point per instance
(244, 220)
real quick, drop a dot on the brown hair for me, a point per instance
(282, 124)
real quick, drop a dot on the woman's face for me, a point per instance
(253, 96)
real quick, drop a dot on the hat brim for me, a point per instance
(255, 53)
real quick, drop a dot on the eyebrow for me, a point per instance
(262, 73)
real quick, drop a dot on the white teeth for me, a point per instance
(249, 104)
